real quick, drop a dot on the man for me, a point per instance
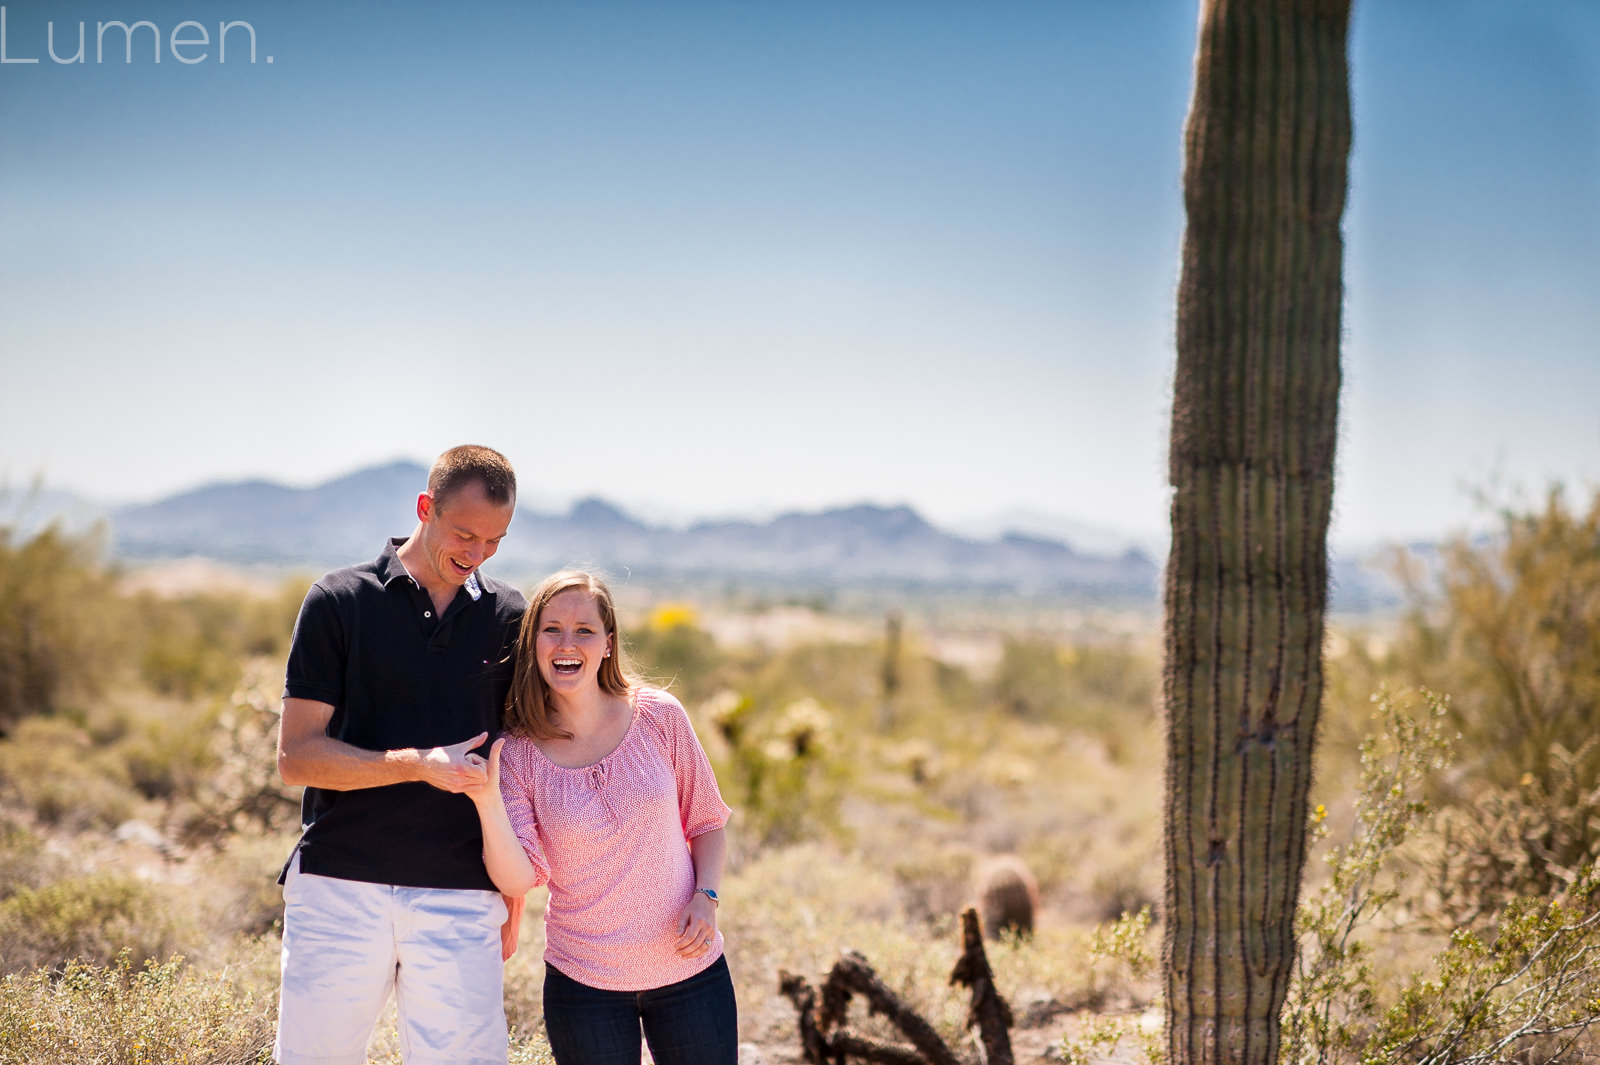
(398, 671)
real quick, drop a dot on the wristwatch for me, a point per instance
(712, 895)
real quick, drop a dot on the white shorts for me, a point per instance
(348, 944)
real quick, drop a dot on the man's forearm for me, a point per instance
(324, 762)
(308, 756)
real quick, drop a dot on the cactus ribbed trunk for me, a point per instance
(1254, 421)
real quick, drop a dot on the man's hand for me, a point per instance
(454, 768)
(308, 756)
(513, 926)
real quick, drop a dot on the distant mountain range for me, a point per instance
(257, 522)
(348, 518)
(262, 524)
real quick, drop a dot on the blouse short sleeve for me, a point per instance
(700, 805)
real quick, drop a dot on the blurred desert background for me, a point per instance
(884, 743)
(840, 336)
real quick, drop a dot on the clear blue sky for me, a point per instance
(727, 258)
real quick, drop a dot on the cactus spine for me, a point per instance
(1254, 421)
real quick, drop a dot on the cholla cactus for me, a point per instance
(803, 730)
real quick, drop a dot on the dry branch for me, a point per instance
(813, 1045)
(988, 1012)
(824, 1039)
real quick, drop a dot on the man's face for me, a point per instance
(463, 533)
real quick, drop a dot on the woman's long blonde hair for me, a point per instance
(529, 710)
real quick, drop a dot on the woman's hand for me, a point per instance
(503, 856)
(489, 789)
(697, 927)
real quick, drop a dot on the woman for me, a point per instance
(606, 795)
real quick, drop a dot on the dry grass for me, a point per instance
(886, 805)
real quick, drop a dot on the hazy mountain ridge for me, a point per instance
(260, 523)
(257, 522)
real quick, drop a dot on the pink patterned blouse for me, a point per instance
(611, 840)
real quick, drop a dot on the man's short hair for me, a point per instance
(469, 463)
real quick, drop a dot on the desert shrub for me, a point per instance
(210, 762)
(25, 861)
(1333, 997)
(846, 677)
(1534, 839)
(166, 748)
(199, 644)
(530, 1049)
(123, 1013)
(934, 882)
(1121, 958)
(1524, 988)
(778, 767)
(59, 632)
(670, 649)
(185, 645)
(1122, 888)
(241, 790)
(67, 632)
(1086, 687)
(230, 891)
(51, 767)
(813, 901)
(1511, 628)
(91, 918)
(808, 902)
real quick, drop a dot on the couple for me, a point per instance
(418, 846)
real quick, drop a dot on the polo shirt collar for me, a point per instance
(391, 569)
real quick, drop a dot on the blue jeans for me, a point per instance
(691, 1022)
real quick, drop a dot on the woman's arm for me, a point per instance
(697, 923)
(503, 855)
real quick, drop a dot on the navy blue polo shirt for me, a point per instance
(368, 643)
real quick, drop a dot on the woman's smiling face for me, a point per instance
(572, 641)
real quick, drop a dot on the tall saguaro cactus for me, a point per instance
(1254, 422)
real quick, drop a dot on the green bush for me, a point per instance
(199, 644)
(1523, 988)
(671, 650)
(1509, 625)
(240, 790)
(779, 768)
(1534, 840)
(59, 631)
(119, 1013)
(1084, 687)
(25, 862)
(91, 918)
(67, 632)
(1512, 630)
(52, 767)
